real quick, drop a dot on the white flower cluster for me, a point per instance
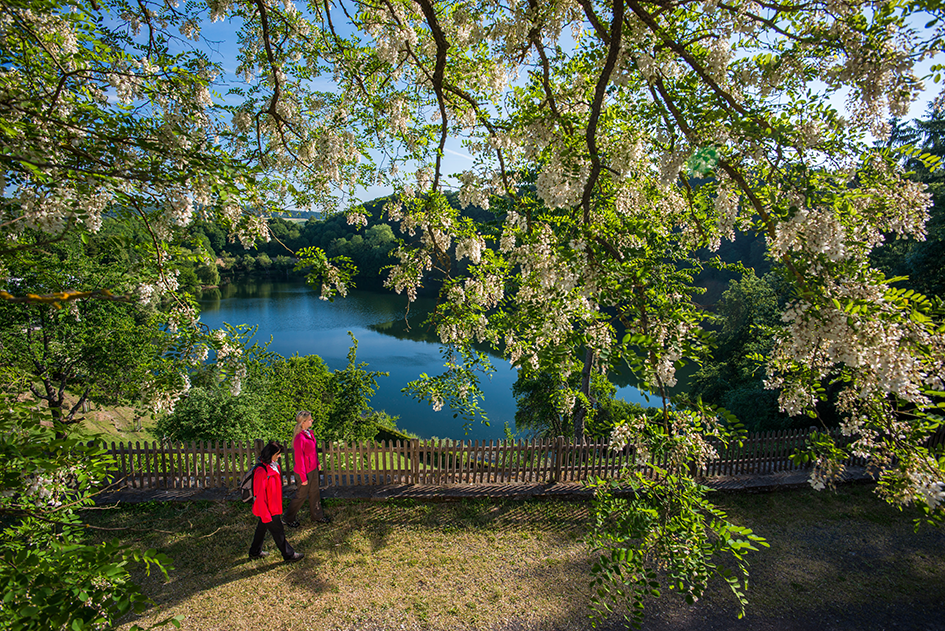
(824, 472)
(471, 247)
(164, 402)
(671, 163)
(407, 276)
(927, 485)
(57, 33)
(43, 491)
(236, 379)
(334, 150)
(52, 210)
(180, 207)
(621, 436)
(720, 52)
(199, 354)
(399, 122)
(815, 231)
(726, 206)
(332, 283)
(472, 191)
(242, 121)
(392, 33)
(182, 316)
(228, 350)
(624, 153)
(630, 434)
(880, 71)
(561, 187)
(882, 349)
(355, 216)
(218, 9)
(148, 294)
(899, 205)
(668, 337)
(126, 86)
(252, 229)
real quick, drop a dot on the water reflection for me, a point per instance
(390, 338)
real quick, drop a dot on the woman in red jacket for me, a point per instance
(267, 504)
(306, 469)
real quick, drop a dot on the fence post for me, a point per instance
(559, 455)
(415, 461)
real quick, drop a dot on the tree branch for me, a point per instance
(673, 45)
(442, 46)
(599, 93)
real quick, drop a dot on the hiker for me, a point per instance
(267, 504)
(306, 471)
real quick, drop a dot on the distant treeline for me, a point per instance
(369, 247)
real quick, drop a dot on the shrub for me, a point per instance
(213, 413)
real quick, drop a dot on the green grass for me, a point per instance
(114, 423)
(501, 565)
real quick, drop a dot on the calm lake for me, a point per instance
(389, 339)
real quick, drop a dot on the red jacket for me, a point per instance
(267, 493)
(305, 448)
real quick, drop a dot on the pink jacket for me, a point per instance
(267, 493)
(305, 448)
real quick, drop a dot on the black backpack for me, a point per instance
(246, 486)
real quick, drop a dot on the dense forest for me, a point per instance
(369, 247)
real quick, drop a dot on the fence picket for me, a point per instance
(178, 477)
(442, 461)
(154, 467)
(327, 462)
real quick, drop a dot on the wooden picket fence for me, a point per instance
(442, 462)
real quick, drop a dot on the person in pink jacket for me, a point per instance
(267, 504)
(306, 470)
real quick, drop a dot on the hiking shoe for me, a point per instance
(261, 554)
(325, 520)
(297, 556)
(292, 524)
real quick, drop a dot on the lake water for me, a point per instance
(389, 339)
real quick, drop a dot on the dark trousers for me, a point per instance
(309, 492)
(278, 534)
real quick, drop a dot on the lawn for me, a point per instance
(837, 561)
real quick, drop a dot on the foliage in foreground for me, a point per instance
(662, 530)
(51, 579)
(588, 159)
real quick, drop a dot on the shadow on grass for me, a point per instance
(836, 562)
(208, 543)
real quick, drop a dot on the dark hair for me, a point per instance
(270, 450)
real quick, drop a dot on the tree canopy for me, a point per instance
(614, 140)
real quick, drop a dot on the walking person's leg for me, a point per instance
(315, 497)
(255, 548)
(278, 533)
(301, 493)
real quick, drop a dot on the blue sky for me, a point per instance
(220, 42)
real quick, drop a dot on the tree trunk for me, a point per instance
(580, 406)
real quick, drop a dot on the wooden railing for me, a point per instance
(213, 465)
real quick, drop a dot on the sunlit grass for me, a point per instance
(502, 565)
